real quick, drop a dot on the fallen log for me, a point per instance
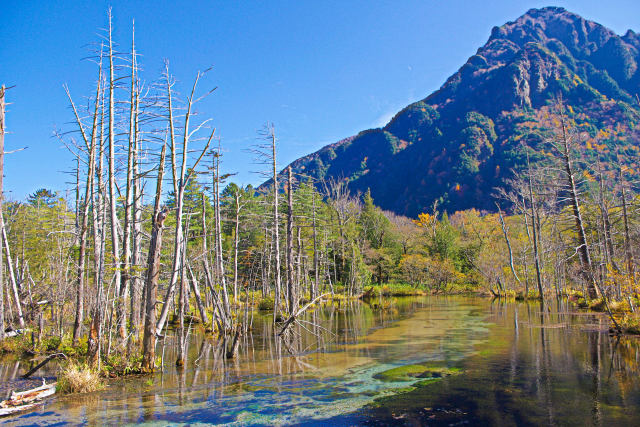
(28, 399)
(44, 362)
(293, 317)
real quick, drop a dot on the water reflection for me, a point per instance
(521, 364)
(540, 366)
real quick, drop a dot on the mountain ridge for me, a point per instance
(460, 142)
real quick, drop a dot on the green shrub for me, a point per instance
(598, 305)
(630, 324)
(266, 304)
(118, 364)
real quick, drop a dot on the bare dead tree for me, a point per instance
(90, 147)
(153, 272)
(290, 285)
(505, 232)
(2, 132)
(181, 176)
(563, 141)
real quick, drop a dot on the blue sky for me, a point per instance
(320, 71)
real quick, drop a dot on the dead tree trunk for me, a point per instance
(536, 251)
(12, 276)
(136, 258)
(583, 247)
(218, 235)
(99, 243)
(180, 182)
(236, 239)
(627, 239)
(2, 127)
(153, 272)
(314, 288)
(276, 232)
(125, 278)
(196, 293)
(505, 231)
(113, 214)
(290, 285)
(90, 145)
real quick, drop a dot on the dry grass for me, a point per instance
(78, 379)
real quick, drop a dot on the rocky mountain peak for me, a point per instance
(462, 141)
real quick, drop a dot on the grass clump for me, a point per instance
(76, 378)
(118, 364)
(393, 290)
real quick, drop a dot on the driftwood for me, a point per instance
(44, 362)
(24, 400)
(293, 317)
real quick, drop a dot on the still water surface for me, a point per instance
(498, 363)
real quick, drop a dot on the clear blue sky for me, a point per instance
(320, 70)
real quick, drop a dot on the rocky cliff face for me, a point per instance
(462, 141)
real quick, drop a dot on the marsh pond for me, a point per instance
(437, 360)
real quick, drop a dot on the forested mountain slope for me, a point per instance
(462, 141)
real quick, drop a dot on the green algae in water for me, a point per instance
(413, 372)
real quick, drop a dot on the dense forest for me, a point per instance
(155, 233)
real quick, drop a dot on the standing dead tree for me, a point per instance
(291, 295)
(2, 132)
(563, 140)
(90, 147)
(265, 153)
(3, 236)
(181, 174)
(153, 272)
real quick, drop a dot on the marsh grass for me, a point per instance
(76, 378)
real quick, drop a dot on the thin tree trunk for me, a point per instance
(196, 293)
(218, 235)
(536, 252)
(627, 239)
(290, 286)
(136, 259)
(12, 276)
(178, 191)
(153, 273)
(2, 131)
(84, 222)
(583, 247)
(179, 184)
(506, 238)
(276, 233)
(99, 243)
(235, 246)
(314, 288)
(182, 305)
(113, 215)
(125, 278)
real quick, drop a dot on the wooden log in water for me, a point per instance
(44, 362)
(24, 400)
